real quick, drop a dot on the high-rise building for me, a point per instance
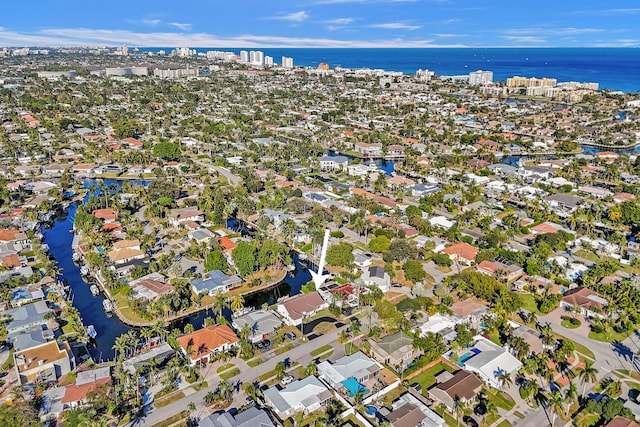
(244, 56)
(480, 77)
(124, 50)
(323, 66)
(287, 62)
(268, 60)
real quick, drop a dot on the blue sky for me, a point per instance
(321, 23)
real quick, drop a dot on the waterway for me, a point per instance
(59, 240)
(387, 166)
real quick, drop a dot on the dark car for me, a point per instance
(263, 345)
(291, 336)
(469, 421)
(480, 409)
(417, 387)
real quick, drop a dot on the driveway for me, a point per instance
(555, 317)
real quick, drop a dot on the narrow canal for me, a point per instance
(59, 239)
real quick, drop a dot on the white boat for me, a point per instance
(107, 305)
(302, 256)
(85, 270)
(91, 331)
(94, 290)
(291, 267)
(76, 257)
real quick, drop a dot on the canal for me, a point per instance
(59, 239)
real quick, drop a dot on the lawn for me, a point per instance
(284, 348)
(529, 303)
(225, 367)
(450, 420)
(505, 423)
(427, 378)
(254, 362)
(570, 322)
(169, 399)
(612, 336)
(492, 419)
(587, 420)
(579, 347)
(172, 419)
(500, 399)
(323, 328)
(200, 386)
(318, 351)
(583, 253)
(229, 374)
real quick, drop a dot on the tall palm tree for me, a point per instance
(588, 374)
(237, 302)
(570, 395)
(556, 404)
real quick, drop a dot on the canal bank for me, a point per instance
(59, 238)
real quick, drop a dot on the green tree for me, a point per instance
(413, 270)
(167, 150)
(244, 258)
(215, 260)
(340, 254)
(379, 244)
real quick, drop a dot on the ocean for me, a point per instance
(612, 68)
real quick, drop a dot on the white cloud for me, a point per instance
(339, 21)
(525, 40)
(609, 12)
(395, 26)
(183, 27)
(87, 37)
(449, 35)
(151, 22)
(293, 17)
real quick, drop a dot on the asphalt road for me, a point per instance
(300, 354)
(232, 178)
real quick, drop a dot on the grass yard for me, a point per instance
(284, 348)
(610, 337)
(225, 367)
(172, 419)
(529, 303)
(229, 374)
(427, 378)
(254, 362)
(318, 351)
(169, 399)
(570, 322)
(492, 419)
(505, 423)
(583, 253)
(500, 399)
(579, 347)
(587, 420)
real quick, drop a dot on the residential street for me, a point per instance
(300, 354)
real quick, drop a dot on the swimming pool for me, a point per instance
(468, 355)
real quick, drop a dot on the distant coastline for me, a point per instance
(613, 68)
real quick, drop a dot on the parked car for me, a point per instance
(291, 336)
(396, 285)
(250, 401)
(263, 345)
(287, 380)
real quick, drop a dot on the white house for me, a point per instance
(307, 394)
(491, 361)
(295, 309)
(333, 162)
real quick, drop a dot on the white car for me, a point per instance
(286, 380)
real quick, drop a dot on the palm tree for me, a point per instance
(311, 369)
(280, 370)
(490, 409)
(556, 403)
(570, 395)
(588, 374)
(237, 302)
(504, 379)
(459, 407)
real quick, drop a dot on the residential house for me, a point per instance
(252, 417)
(361, 259)
(261, 323)
(500, 269)
(357, 366)
(307, 395)
(469, 311)
(547, 228)
(32, 337)
(200, 235)
(376, 275)
(333, 163)
(296, 308)
(409, 411)
(200, 345)
(491, 361)
(394, 350)
(150, 287)
(125, 251)
(440, 324)
(595, 192)
(107, 215)
(21, 296)
(461, 252)
(369, 150)
(215, 281)
(14, 236)
(563, 203)
(422, 190)
(44, 363)
(462, 386)
(399, 182)
(86, 382)
(179, 216)
(26, 316)
(590, 302)
(442, 222)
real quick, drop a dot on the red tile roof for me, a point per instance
(205, 340)
(462, 249)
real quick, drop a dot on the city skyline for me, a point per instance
(321, 23)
